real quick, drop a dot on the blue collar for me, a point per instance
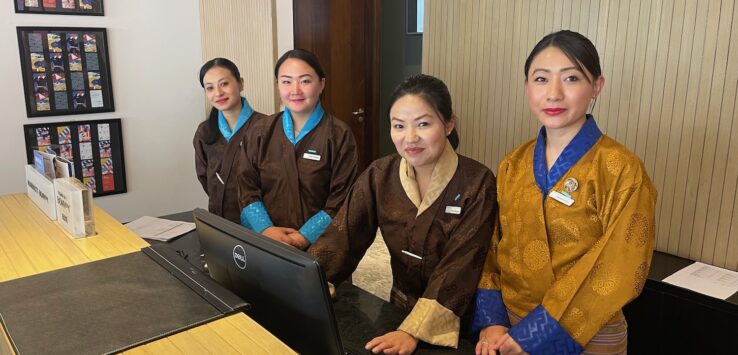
(225, 129)
(312, 122)
(575, 150)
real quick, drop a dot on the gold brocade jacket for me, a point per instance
(582, 263)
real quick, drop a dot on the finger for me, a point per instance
(486, 350)
(380, 347)
(277, 231)
(507, 347)
(372, 343)
(298, 242)
(276, 235)
(391, 349)
(285, 240)
(501, 341)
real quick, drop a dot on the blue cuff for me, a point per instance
(315, 226)
(255, 217)
(539, 333)
(488, 310)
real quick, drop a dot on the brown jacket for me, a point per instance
(296, 181)
(221, 157)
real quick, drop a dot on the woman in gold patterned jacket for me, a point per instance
(576, 220)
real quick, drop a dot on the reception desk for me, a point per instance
(31, 244)
(668, 319)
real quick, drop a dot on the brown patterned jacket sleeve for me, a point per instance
(249, 180)
(201, 159)
(344, 169)
(351, 232)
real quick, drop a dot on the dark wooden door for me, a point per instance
(344, 34)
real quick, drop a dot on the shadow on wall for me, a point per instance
(401, 56)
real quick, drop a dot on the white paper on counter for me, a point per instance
(158, 228)
(706, 279)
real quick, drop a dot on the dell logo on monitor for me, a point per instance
(239, 256)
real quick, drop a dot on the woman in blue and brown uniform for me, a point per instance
(576, 220)
(217, 139)
(300, 163)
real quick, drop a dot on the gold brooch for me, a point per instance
(571, 185)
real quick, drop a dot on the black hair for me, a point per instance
(213, 129)
(303, 55)
(434, 92)
(576, 47)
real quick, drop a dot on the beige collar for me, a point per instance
(442, 174)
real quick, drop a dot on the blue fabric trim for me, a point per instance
(225, 129)
(255, 217)
(488, 310)
(312, 122)
(315, 226)
(539, 333)
(245, 220)
(582, 142)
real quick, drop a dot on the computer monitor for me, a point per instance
(285, 286)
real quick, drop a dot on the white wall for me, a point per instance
(155, 55)
(285, 27)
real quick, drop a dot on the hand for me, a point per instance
(488, 338)
(397, 342)
(279, 233)
(508, 346)
(297, 240)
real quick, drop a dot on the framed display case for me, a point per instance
(65, 70)
(94, 147)
(60, 7)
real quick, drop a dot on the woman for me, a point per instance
(436, 211)
(576, 220)
(217, 139)
(301, 161)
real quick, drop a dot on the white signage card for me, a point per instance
(74, 207)
(41, 191)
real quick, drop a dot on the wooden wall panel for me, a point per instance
(244, 32)
(671, 70)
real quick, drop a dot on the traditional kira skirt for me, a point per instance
(611, 339)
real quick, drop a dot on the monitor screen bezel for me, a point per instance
(238, 234)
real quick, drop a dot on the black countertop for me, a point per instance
(663, 265)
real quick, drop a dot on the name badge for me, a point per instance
(453, 209)
(558, 196)
(311, 156)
